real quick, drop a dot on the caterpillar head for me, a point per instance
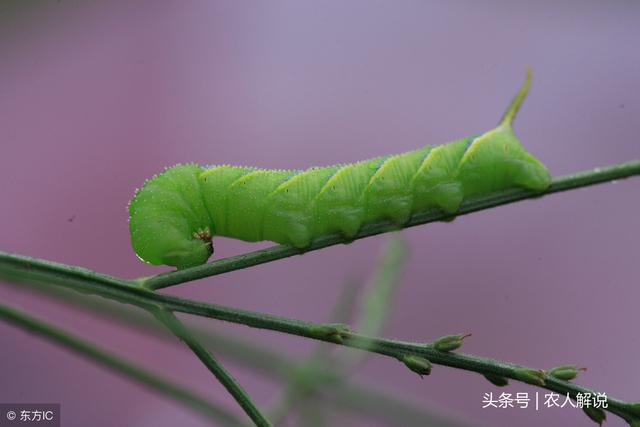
(168, 222)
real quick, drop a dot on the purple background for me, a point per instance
(97, 96)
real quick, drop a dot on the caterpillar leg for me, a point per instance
(350, 226)
(531, 174)
(388, 193)
(339, 219)
(288, 226)
(189, 254)
(299, 235)
(448, 196)
(399, 212)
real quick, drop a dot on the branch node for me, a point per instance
(336, 332)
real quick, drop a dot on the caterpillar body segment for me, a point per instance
(175, 214)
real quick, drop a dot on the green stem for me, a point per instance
(168, 319)
(563, 183)
(119, 365)
(16, 265)
(361, 400)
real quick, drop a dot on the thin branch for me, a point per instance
(377, 299)
(311, 377)
(361, 400)
(168, 319)
(563, 183)
(304, 379)
(337, 334)
(119, 365)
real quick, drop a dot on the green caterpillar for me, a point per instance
(174, 216)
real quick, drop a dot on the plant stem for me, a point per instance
(119, 365)
(392, 348)
(168, 319)
(22, 266)
(563, 183)
(361, 400)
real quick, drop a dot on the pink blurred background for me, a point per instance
(97, 96)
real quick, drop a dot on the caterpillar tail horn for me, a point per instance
(512, 111)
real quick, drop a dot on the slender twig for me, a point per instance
(310, 377)
(39, 271)
(119, 365)
(168, 319)
(337, 334)
(304, 379)
(377, 300)
(563, 183)
(392, 348)
(343, 394)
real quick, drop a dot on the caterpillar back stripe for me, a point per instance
(174, 216)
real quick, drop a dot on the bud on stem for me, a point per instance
(449, 342)
(496, 380)
(417, 364)
(596, 414)
(529, 376)
(565, 372)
